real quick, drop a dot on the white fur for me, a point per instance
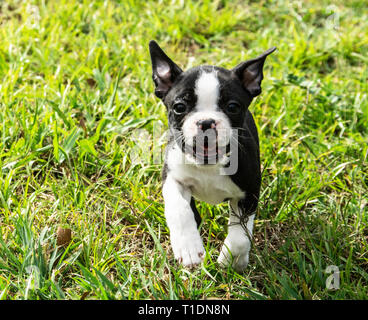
(207, 91)
(190, 127)
(235, 250)
(185, 239)
(205, 182)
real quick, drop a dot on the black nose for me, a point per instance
(206, 124)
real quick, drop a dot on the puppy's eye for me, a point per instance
(179, 108)
(233, 108)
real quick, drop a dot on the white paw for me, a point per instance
(188, 249)
(235, 253)
(238, 262)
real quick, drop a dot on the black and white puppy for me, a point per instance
(212, 153)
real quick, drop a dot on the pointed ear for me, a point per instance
(250, 73)
(164, 70)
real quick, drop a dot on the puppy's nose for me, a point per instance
(206, 124)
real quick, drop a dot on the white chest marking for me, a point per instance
(205, 182)
(207, 91)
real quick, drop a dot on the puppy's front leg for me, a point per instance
(185, 239)
(235, 250)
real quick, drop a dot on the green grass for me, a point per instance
(75, 87)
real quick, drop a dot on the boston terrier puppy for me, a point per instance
(212, 153)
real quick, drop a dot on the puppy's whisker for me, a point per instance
(197, 103)
(236, 141)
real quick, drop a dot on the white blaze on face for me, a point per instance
(207, 90)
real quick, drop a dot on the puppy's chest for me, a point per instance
(207, 184)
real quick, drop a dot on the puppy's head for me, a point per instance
(205, 104)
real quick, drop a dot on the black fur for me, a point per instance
(239, 85)
(197, 216)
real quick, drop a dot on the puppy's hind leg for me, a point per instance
(235, 250)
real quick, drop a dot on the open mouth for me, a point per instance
(206, 152)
